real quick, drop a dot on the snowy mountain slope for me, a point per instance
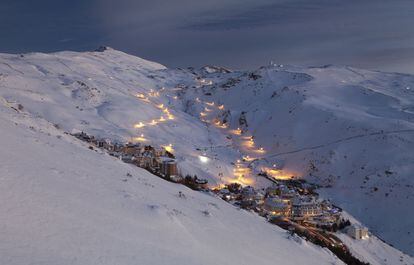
(347, 129)
(99, 92)
(62, 203)
(373, 250)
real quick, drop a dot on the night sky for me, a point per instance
(373, 34)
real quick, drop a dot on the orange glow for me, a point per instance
(207, 109)
(175, 97)
(142, 97)
(221, 107)
(139, 125)
(248, 144)
(240, 170)
(153, 94)
(162, 119)
(140, 138)
(261, 150)
(278, 174)
(202, 114)
(219, 187)
(153, 122)
(248, 158)
(241, 175)
(169, 148)
(160, 106)
(171, 117)
(210, 103)
(242, 181)
(236, 132)
(220, 125)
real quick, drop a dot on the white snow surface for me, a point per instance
(348, 129)
(373, 250)
(62, 203)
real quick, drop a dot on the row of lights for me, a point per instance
(167, 116)
(239, 172)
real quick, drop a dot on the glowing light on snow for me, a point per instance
(142, 97)
(207, 109)
(139, 125)
(241, 171)
(141, 138)
(249, 143)
(241, 179)
(248, 158)
(153, 94)
(237, 131)
(221, 107)
(220, 125)
(210, 103)
(279, 174)
(160, 106)
(219, 186)
(162, 119)
(261, 150)
(153, 122)
(203, 159)
(169, 148)
(202, 114)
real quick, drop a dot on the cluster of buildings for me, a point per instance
(284, 201)
(159, 161)
(156, 160)
(293, 201)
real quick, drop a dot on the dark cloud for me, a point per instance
(281, 12)
(375, 34)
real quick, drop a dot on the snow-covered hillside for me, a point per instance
(347, 129)
(111, 94)
(62, 203)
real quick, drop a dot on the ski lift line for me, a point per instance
(336, 142)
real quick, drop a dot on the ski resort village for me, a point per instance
(291, 203)
(124, 161)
